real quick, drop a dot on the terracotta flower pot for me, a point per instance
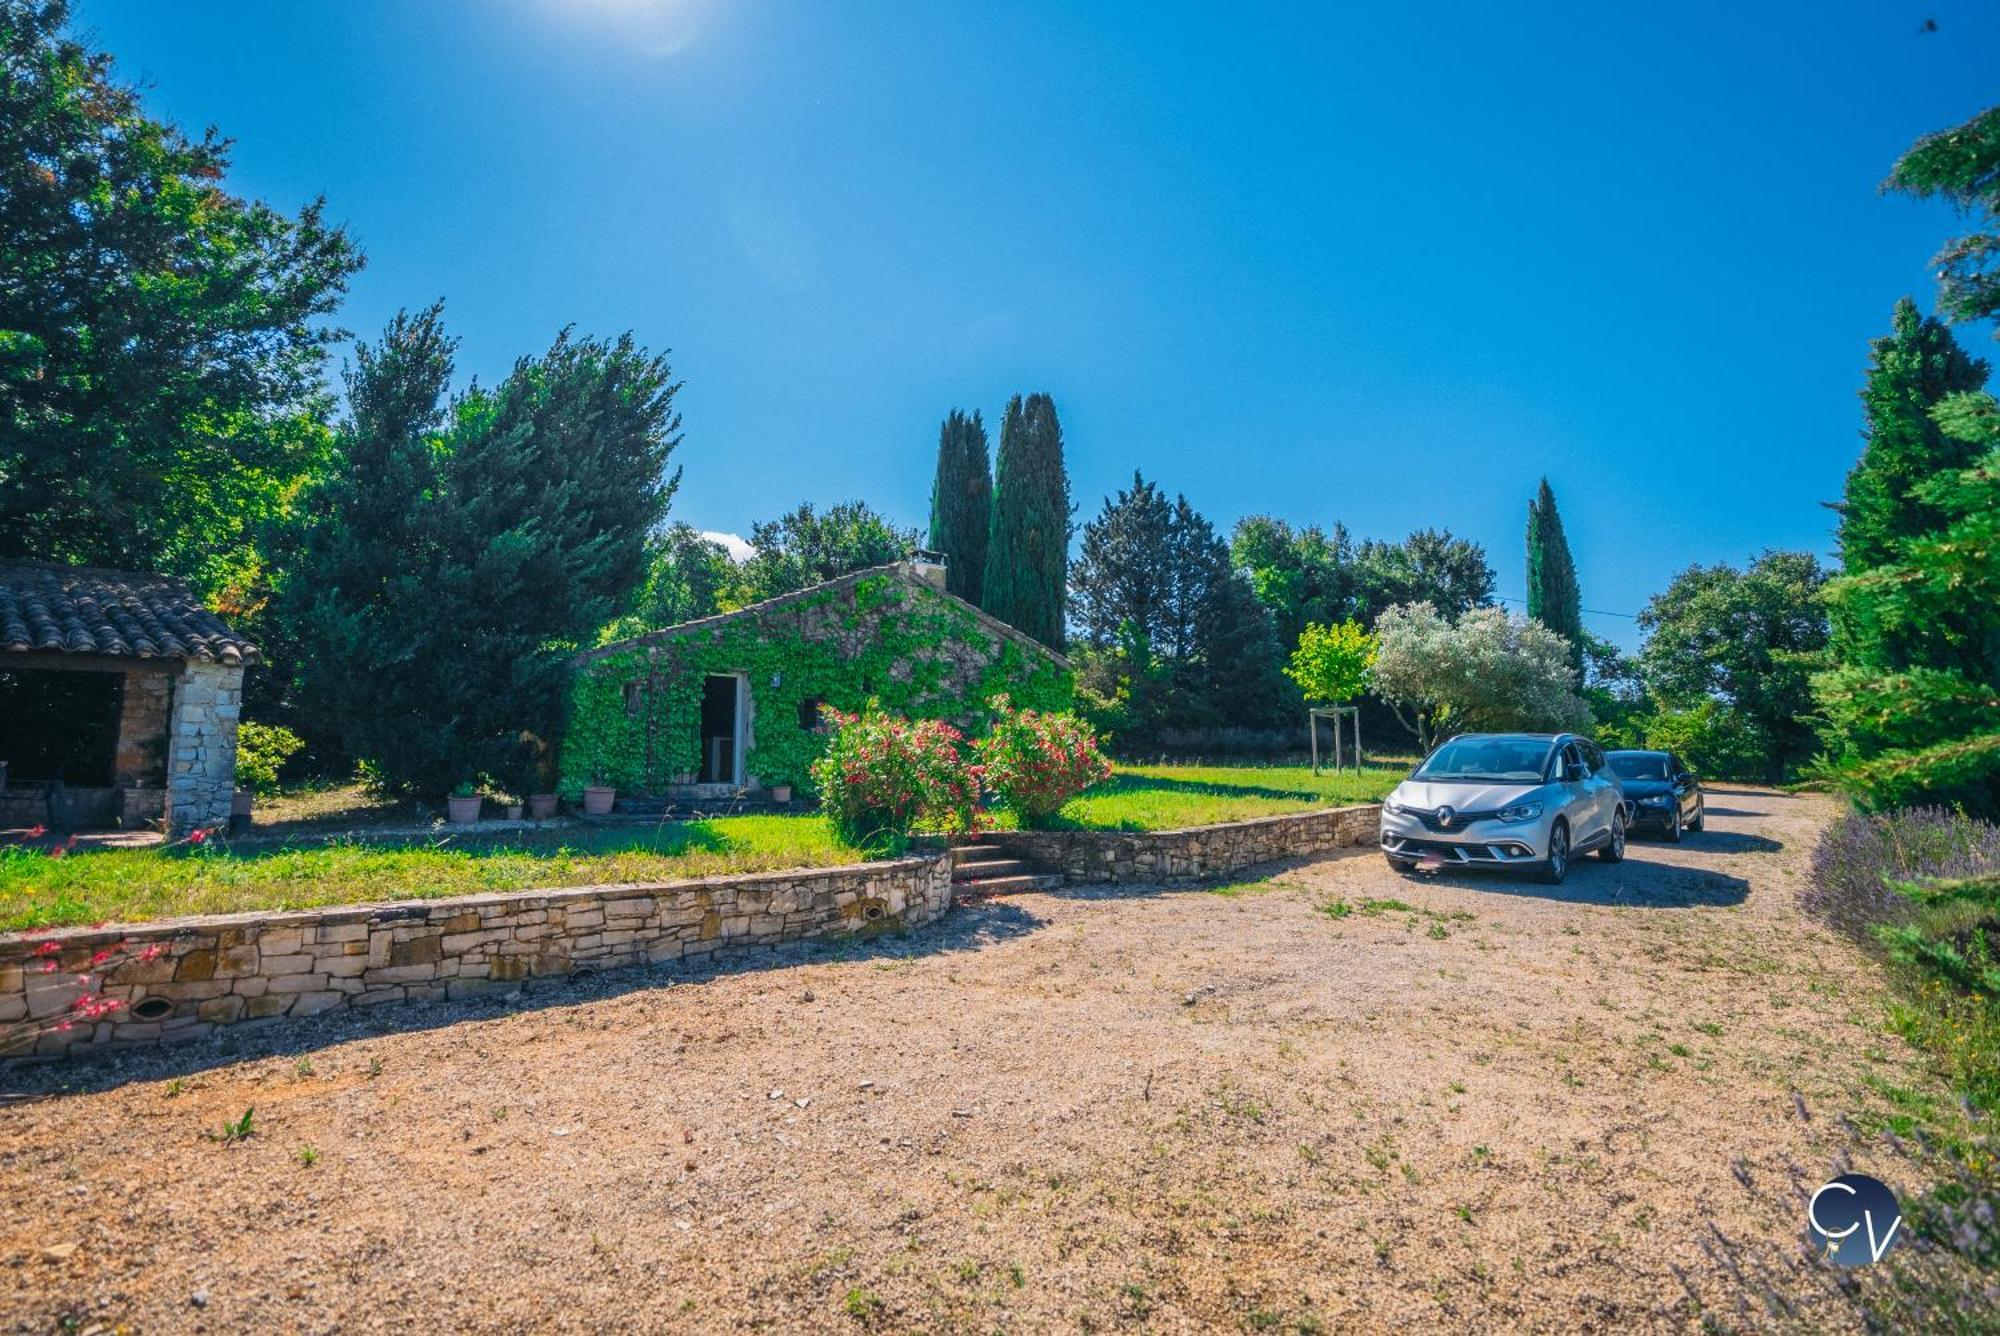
(541, 806)
(781, 793)
(464, 811)
(513, 811)
(597, 799)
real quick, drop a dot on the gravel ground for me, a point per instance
(1286, 1106)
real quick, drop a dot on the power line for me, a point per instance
(1595, 612)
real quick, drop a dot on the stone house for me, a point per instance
(730, 704)
(124, 689)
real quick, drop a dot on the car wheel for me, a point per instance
(1673, 831)
(1699, 820)
(1556, 866)
(1614, 852)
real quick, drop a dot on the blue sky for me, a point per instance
(1381, 264)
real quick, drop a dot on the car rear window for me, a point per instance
(1638, 765)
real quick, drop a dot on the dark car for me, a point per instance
(1661, 794)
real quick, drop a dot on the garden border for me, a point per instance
(229, 969)
(1193, 853)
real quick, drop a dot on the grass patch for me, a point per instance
(1169, 797)
(133, 885)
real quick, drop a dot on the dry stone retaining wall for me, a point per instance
(234, 968)
(1098, 856)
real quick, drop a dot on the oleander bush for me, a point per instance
(881, 776)
(1035, 762)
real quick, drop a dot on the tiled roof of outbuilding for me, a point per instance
(123, 614)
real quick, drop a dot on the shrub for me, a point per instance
(1858, 860)
(261, 751)
(880, 776)
(1036, 762)
(1717, 740)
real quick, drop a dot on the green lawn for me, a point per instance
(1168, 797)
(131, 885)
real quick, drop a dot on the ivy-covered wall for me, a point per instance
(635, 709)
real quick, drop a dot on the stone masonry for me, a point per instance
(1168, 856)
(236, 968)
(201, 745)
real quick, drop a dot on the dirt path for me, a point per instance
(1291, 1107)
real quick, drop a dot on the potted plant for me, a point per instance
(781, 794)
(463, 804)
(541, 806)
(537, 777)
(598, 797)
(514, 810)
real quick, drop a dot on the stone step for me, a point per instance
(987, 868)
(1010, 885)
(963, 854)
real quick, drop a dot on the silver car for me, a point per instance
(1506, 800)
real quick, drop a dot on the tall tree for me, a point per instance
(962, 504)
(1746, 640)
(161, 364)
(1910, 702)
(1553, 597)
(805, 547)
(1168, 622)
(685, 578)
(1962, 165)
(1305, 576)
(1480, 672)
(1914, 368)
(461, 554)
(1027, 552)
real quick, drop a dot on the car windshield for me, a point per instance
(1495, 760)
(1639, 765)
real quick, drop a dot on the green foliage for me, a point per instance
(160, 360)
(1027, 549)
(1484, 672)
(1715, 739)
(1553, 597)
(1914, 368)
(1962, 165)
(1174, 797)
(1332, 663)
(881, 776)
(898, 635)
(962, 504)
(1911, 705)
(1307, 575)
(805, 548)
(1746, 641)
(261, 751)
(459, 557)
(1171, 629)
(686, 575)
(1036, 762)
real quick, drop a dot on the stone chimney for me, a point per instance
(928, 566)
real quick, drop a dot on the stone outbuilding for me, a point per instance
(730, 705)
(121, 688)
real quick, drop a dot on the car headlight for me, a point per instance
(1518, 813)
(1393, 808)
(1654, 800)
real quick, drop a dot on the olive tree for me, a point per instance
(1484, 672)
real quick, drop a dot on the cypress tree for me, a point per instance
(1027, 551)
(1553, 598)
(1915, 367)
(962, 504)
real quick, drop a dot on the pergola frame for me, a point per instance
(1336, 713)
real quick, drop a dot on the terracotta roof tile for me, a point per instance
(124, 614)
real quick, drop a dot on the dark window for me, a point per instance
(635, 699)
(809, 718)
(60, 724)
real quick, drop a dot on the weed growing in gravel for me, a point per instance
(307, 1156)
(240, 1129)
(862, 1306)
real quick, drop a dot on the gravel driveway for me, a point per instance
(1334, 1098)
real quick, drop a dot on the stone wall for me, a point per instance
(236, 968)
(201, 745)
(1169, 856)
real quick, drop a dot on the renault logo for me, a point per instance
(1445, 815)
